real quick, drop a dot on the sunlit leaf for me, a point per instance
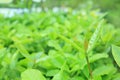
(61, 76)
(103, 70)
(116, 54)
(95, 36)
(32, 74)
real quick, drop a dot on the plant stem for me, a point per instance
(87, 58)
(89, 68)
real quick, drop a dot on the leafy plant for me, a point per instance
(58, 46)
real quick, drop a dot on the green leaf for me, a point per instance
(2, 52)
(53, 43)
(21, 48)
(103, 70)
(98, 56)
(57, 61)
(14, 60)
(116, 54)
(77, 78)
(116, 76)
(107, 33)
(71, 42)
(97, 78)
(94, 37)
(83, 63)
(52, 72)
(58, 76)
(32, 74)
(61, 76)
(94, 58)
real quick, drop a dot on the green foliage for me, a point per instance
(50, 46)
(32, 74)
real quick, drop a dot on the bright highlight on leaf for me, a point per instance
(32, 74)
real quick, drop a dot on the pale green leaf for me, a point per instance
(98, 56)
(61, 76)
(116, 54)
(103, 70)
(21, 48)
(94, 37)
(77, 78)
(32, 74)
(97, 78)
(52, 72)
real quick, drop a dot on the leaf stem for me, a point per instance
(89, 68)
(87, 58)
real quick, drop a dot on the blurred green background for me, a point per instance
(112, 7)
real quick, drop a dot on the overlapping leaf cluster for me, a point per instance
(50, 46)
